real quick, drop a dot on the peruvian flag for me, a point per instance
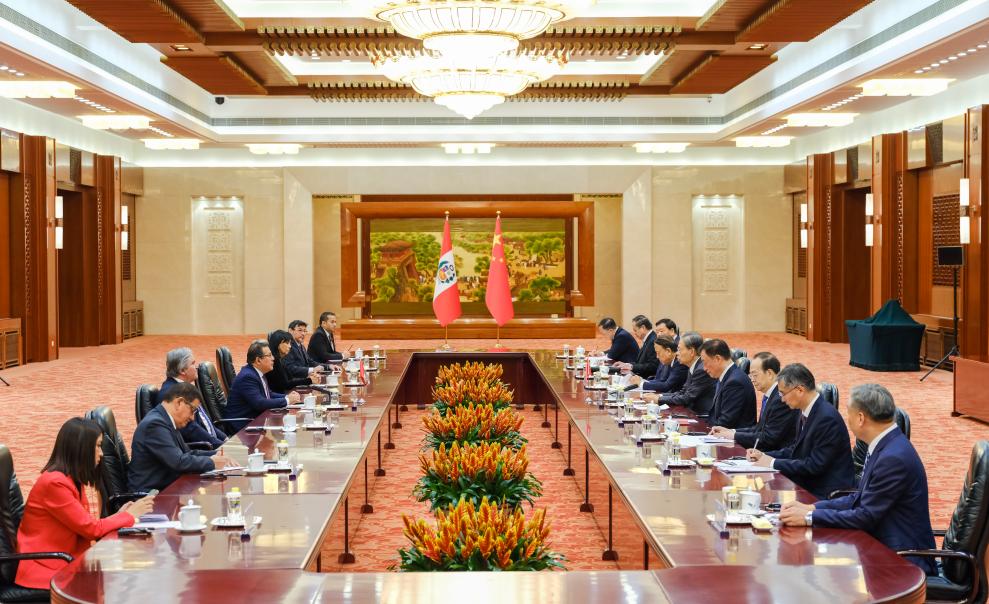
(498, 297)
(446, 296)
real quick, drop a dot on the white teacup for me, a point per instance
(309, 402)
(705, 451)
(289, 421)
(671, 425)
(750, 501)
(189, 517)
(307, 417)
(332, 380)
(255, 462)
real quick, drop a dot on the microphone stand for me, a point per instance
(5, 382)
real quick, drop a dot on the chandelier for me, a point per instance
(474, 28)
(469, 87)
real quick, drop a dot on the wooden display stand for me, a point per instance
(971, 396)
(427, 328)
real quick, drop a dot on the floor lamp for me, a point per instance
(953, 256)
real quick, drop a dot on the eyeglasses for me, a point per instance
(783, 394)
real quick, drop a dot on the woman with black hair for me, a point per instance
(58, 517)
(280, 343)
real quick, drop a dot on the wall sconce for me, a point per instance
(803, 226)
(59, 214)
(124, 229)
(870, 220)
(964, 209)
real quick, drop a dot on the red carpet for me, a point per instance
(43, 395)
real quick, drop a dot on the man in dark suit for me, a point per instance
(646, 363)
(820, 459)
(697, 392)
(623, 347)
(298, 364)
(322, 346)
(181, 367)
(249, 394)
(777, 426)
(891, 502)
(158, 453)
(670, 374)
(666, 328)
(734, 396)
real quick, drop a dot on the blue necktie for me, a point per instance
(765, 399)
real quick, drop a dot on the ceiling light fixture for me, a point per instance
(160, 131)
(757, 47)
(660, 147)
(467, 148)
(762, 141)
(171, 144)
(181, 48)
(116, 122)
(274, 148)
(473, 28)
(905, 87)
(34, 89)
(469, 88)
(819, 120)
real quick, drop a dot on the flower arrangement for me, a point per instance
(473, 424)
(478, 371)
(476, 472)
(479, 537)
(466, 392)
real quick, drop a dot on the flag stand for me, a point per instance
(498, 337)
(446, 333)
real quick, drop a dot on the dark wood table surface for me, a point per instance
(790, 564)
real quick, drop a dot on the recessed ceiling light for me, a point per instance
(757, 47)
(962, 54)
(953, 58)
(4, 68)
(919, 70)
(345, 61)
(983, 46)
(19, 74)
(181, 48)
(943, 61)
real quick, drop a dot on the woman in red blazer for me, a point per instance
(57, 517)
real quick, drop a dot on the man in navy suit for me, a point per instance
(777, 426)
(298, 364)
(322, 345)
(623, 347)
(249, 393)
(158, 453)
(670, 375)
(181, 367)
(891, 502)
(820, 459)
(666, 328)
(734, 396)
(697, 392)
(646, 363)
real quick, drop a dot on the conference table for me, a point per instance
(656, 524)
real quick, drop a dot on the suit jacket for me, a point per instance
(280, 380)
(891, 503)
(247, 397)
(697, 392)
(777, 426)
(322, 347)
(57, 519)
(668, 378)
(623, 347)
(820, 459)
(734, 400)
(201, 428)
(646, 364)
(159, 455)
(297, 362)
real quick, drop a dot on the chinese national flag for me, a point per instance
(446, 296)
(498, 296)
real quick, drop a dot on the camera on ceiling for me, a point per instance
(220, 100)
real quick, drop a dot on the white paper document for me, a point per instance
(740, 466)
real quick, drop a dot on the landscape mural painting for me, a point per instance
(405, 252)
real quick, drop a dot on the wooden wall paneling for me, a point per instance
(888, 200)
(799, 254)
(917, 156)
(78, 316)
(10, 151)
(925, 236)
(63, 155)
(908, 237)
(974, 339)
(835, 299)
(87, 168)
(34, 284)
(109, 300)
(128, 257)
(352, 294)
(841, 173)
(819, 264)
(953, 139)
(854, 300)
(6, 269)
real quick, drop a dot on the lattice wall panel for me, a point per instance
(945, 227)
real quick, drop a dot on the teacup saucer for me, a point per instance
(192, 529)
(255, 472)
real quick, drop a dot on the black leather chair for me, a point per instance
(214, 400)
(829, 392)
(902, 419)
(11, 512)
(738, 353)
(115, 490)
(744, 363)
(963, 552)
(225, 367)
(145, 400)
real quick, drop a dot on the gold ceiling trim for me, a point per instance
(373, 94)
(378, 85)
(641, 45)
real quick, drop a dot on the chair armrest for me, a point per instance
(229, 420)
(200, 446)
(841, 493)
(947, 553)
(36, 556)
(115, 502)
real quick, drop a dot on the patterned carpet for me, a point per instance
(43, 395)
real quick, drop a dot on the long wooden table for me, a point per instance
(655, 524)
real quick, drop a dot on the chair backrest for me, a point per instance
(11, 511)
(145, 400)
(862, 449)
(115, 457)
(967, 531)
(829, 392)
(738, 353)
(225, 366)
(902, 419)
(744, 363)
(214, 400)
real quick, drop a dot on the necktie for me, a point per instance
(803, 422)
(264, 382)
(762, 409)
(333, 346)
(206, 423)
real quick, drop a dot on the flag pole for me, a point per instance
(498, 337)
(446, 334)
